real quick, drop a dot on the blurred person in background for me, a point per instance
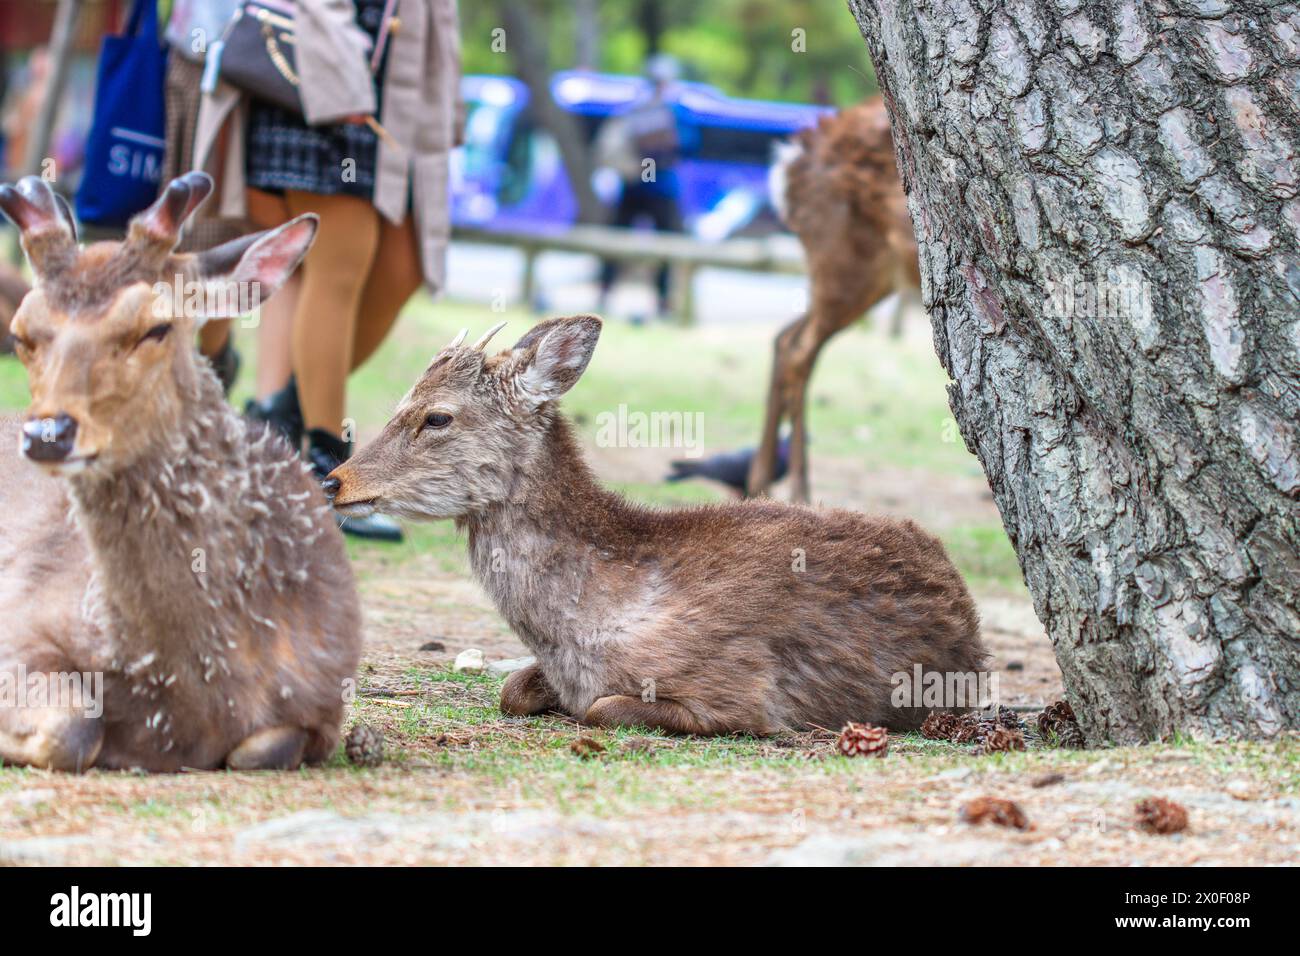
(21, 107)
(382, 200)
(648, 131)
(194, 25)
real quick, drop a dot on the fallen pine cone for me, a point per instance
(1070, 735)
(863, 740)
(587, 747)
(939, 726)
(967, 729)
(994, 810)
(1057, 724)
(1053, 714)
(364, 746)
(1158, 815)
(1008, 718)
(1002, 740)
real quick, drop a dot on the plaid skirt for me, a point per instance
(283, 152)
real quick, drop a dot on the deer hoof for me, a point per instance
(275, 748)
(526, 693)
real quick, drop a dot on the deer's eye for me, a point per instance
(156, 334)
(437, 420)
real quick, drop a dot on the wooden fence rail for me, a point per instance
(684, 254)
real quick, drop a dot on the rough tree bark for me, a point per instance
(1142, 448)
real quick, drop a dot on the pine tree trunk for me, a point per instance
(1105, 196)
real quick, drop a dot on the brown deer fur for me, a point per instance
(182, 553)
(752, 617)
(838, 189)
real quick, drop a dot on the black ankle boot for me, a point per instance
(325, 452)
(281, 411)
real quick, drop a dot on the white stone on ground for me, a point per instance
(468, 661)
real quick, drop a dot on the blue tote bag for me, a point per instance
(124, 152)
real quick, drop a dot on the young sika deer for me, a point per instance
(182, 554)
(750, 617)
(837, 188)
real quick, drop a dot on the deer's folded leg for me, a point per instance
(666, 715)
(526, 692)
(274, 748)
(50, 738)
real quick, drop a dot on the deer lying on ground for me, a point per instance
(837, 187)
(184, 555)
(749, 617)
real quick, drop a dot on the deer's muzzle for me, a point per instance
(49, 440)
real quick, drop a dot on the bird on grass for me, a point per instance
(730, 468)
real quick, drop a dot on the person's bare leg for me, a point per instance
(213, 336)
(275, 321)
(333, 278)
(275, 338)
(394, 278)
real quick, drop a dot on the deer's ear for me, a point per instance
(550, 365)
(251, 269)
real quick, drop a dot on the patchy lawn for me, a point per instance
(465, 785)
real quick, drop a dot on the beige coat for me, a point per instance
(422, 111)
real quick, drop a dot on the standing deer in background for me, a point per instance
(751, 617)
(171, 547)
(837, 187)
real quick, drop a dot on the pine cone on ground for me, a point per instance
(1002, 740)
(967, 729)
(994, 810)
(587, 747)
(364, 746)
(1158, 815)
(939, 726)
(1008, 718)
(1053, 714)
(1058, 724)
(863, 740)
(1071, 735)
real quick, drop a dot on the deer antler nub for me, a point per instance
(486, 337)
(48, 235)
(160, 224)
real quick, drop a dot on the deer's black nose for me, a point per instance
(331, 487)
(49, 439)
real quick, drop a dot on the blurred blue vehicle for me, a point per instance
(510, 176)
